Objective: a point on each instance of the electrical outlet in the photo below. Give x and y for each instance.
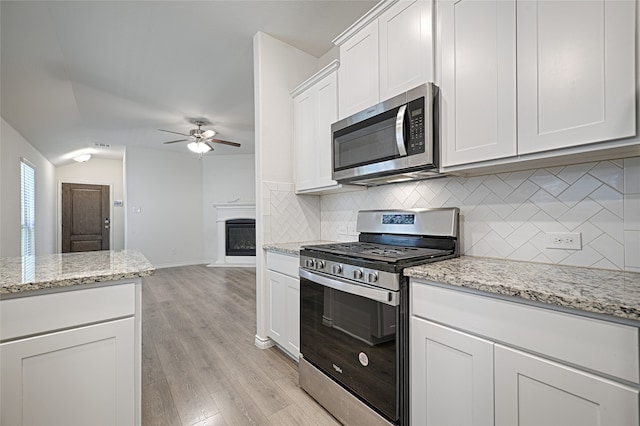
(563, 240)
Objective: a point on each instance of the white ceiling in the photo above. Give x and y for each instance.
(79, 73)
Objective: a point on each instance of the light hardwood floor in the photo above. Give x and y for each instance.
(199, 362)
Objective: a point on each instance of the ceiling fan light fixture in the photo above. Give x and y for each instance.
(82, 158)
(199, 147)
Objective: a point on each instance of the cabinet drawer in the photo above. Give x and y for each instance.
(601, 346)
(283, 263)
(38, 314)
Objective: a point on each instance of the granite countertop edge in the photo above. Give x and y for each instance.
(128, 264)
(592, 292)
(293, 247)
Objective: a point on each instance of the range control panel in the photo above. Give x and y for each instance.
(383, 279)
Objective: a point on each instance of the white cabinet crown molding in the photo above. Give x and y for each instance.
(366, 19)
(322, 73)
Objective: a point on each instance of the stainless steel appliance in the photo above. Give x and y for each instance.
(354, 311)
(394, 140)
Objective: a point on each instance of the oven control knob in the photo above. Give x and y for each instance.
(358, 274)
(337, 269)
(373, 277)
(309, 263)
(320, 264)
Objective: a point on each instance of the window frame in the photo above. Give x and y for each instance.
(27, 207)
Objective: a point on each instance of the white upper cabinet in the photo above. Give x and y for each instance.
(478, 80)
(315, 106)
(405, 47)
(358, 75)
(388, 51)
(576, 73)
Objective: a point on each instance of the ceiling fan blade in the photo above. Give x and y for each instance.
(179, 140)
(170, 131)
(207, 134)
(236, 144)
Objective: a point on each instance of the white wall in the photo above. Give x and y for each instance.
(225, 179)
(166, 187)
(278, 69)
(12, 148)
(97, 171)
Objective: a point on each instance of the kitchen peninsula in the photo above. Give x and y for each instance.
(70, 338)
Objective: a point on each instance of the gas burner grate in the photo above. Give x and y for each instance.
(380, 252)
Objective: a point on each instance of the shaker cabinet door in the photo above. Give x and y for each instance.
(534, 391)
(576, 73)
(284, 311)
(315, 109)
(305, 110)
(451, 376)
(276, 288)
(358, 73)
(406, 47)
(81, 376)
(478, 80)
(327, 114)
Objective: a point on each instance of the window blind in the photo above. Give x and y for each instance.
(27, 207)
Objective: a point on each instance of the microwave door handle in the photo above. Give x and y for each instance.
(402, 149)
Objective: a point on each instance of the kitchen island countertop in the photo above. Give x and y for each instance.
(20, 276)
(613, 293)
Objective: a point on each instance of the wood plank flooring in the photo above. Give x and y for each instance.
(199, 362)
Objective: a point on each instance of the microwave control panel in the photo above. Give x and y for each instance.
(416, 129)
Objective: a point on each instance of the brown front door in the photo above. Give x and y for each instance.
(85, 217)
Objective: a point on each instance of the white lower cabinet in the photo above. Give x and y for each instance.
(451, 376)
(535, 391)
(469, 364)
(82, 376)
(283, 292)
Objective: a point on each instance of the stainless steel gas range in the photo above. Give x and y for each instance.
(354, 312)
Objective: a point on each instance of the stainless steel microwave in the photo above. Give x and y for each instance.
(392, 141)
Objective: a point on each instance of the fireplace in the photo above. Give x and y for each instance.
(237, 213)
(240, 237)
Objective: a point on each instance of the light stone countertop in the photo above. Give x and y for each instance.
(292, 247)
(21, 275)
(614, 293)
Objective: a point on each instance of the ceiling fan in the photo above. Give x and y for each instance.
(200, 140)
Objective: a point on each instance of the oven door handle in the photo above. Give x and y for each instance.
(373, 293)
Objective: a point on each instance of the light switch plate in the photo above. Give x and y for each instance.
(563, 240)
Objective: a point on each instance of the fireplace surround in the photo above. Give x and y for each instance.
(231, 212)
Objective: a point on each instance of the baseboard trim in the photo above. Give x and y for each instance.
(263, 343)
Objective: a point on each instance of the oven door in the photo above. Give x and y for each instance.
(349, 332)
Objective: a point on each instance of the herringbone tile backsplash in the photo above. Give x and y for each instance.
(502, 215)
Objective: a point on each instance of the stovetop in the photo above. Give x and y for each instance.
(379, 252)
